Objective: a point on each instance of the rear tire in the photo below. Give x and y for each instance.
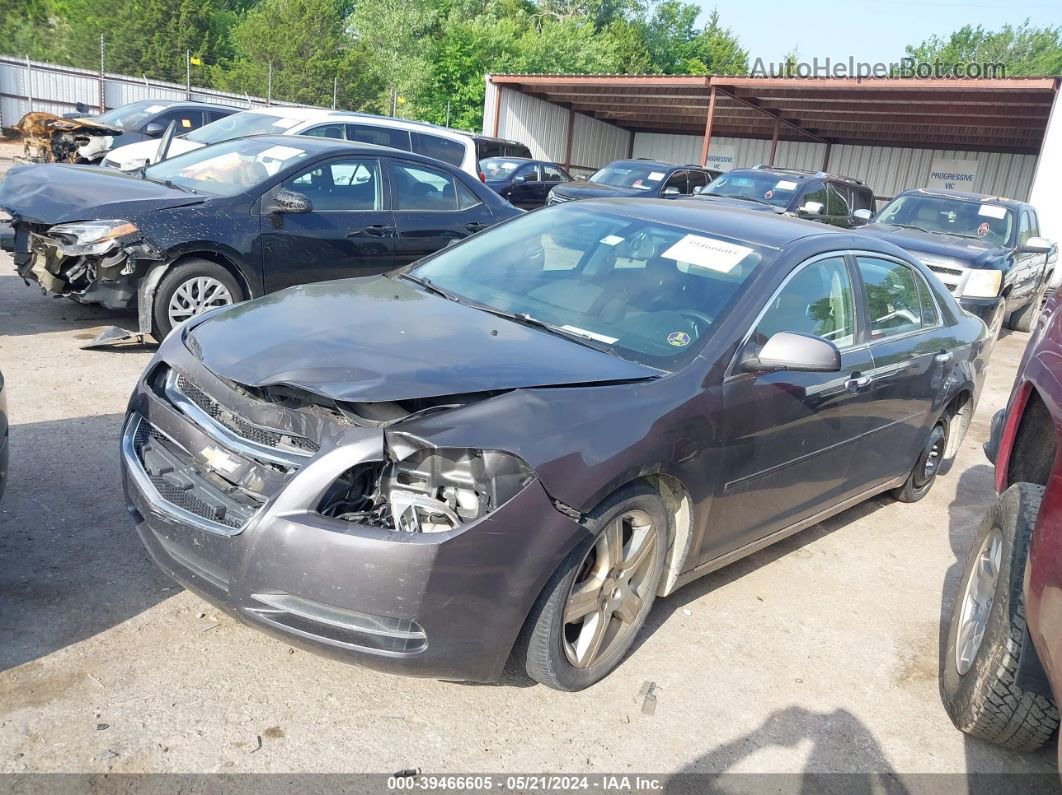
(189, 289)
(927, 467)
(559, 645)
(978, 678)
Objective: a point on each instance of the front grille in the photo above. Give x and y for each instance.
(555, 199)
(239, 426)
(950, 275)
(180, 482)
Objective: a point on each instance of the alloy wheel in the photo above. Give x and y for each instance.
(604, 605)
(977, 600)
(195, 296)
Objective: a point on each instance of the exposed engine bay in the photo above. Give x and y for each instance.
(92, 261)
(47, 138)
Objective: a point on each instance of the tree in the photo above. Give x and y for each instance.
(28, 27)
(307, 44)
(390, 32)
(715, 51)
(1023, 50)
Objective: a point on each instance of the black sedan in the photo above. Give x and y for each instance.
(235, 220)
(640, 177)
(516, 444)
(522, 181)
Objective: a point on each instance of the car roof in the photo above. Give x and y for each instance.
(965, 196)
(647, 161)
(801, 174)
(764, 229)
(314, 145)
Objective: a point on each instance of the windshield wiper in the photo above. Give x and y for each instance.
(912, 226)
(530, 320)
(166, 182)
(429, 286)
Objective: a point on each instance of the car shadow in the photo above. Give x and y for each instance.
(71, 565)
(844, 757)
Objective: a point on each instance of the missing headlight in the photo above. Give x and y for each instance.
(423, 489)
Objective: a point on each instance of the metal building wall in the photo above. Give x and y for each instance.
(543, 126)
(888, 170)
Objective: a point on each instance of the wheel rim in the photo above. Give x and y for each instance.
(977, 600)
(605, 604)
(195, 296)
(931, 458)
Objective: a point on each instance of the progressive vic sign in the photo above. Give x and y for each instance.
(953, 175)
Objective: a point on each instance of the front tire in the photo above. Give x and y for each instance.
(1025, 318)
(189, 289)
(594, 605)
(987, 631)
(927, 467)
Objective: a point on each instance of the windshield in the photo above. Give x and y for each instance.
(227, 168)
(128, 116)
(240, 125)
(499, 167)
(630, 175)
(761, 186)
(640, 290)
(991, 223)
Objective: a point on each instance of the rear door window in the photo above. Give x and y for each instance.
(381, 136)
(551, 173)
(444, 149)
(418, 187)
(325, 131)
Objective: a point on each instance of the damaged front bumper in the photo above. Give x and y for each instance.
(225, 492)
(107, 273)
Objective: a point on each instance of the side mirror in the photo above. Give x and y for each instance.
(862, 215)
(812, 208)
(289, 202)
(1038, 245)
(81, 107)
(155, 129)
(789, 350)
(671, 191)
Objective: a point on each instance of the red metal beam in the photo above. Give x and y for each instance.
(708, 127)
(773, 114)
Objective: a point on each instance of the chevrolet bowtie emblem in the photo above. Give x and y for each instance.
(219, 460)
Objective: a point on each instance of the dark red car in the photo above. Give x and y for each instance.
(1002, 674)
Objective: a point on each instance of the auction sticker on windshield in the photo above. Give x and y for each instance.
(992, 211)
(785, 184)
(707, 252)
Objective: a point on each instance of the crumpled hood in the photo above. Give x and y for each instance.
(584, 189)
(381, 338)
(937, 244)
(54, 194)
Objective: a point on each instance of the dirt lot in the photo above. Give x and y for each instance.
(819, 654)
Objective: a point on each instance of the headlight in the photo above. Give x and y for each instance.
(982, 283)
(551, 195)
(422, 489)
(5, 216)
(87, 232)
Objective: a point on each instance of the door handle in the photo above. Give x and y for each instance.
(376, 230)
(943, 357)
(857, 382)
(475, 226)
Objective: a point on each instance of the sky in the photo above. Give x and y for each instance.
(868, 31)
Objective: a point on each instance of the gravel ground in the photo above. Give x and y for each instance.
(819, 654)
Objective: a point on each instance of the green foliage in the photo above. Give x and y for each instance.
(1024, 50)
(426, 59)
(306, 43)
